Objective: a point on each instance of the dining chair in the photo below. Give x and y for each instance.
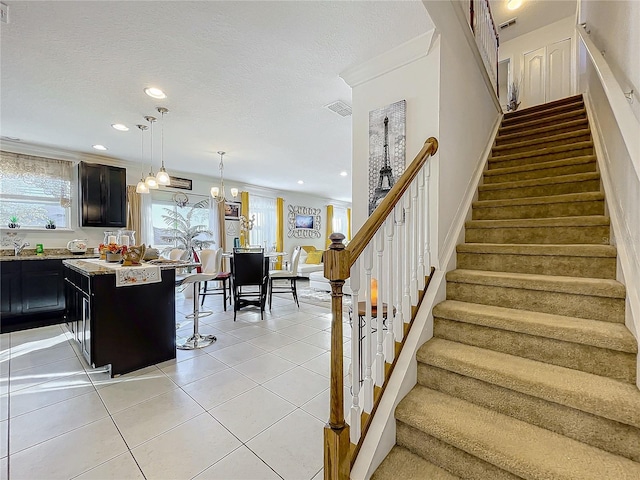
(250, 275)
(291, 275)
(176, 254)
(211, 261)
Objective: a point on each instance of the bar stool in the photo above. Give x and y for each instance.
(196, 340)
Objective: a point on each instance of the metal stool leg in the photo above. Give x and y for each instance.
(196, 340)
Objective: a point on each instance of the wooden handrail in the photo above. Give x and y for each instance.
(374, 222)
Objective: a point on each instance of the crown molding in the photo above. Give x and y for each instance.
(390, 60)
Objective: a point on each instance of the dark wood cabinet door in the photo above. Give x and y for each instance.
(103, 195)
(42, 286)
(115, 180)
(10, 297)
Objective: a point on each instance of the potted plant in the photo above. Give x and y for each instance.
(182, 234)
(13, 222)
(513, 95)
(51, 224)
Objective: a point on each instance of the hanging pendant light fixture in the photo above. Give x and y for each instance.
(142, 186)
(151, 181)
(218, 192)
(163, 177)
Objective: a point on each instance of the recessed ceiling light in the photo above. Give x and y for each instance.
(514, 4)
(300, 182)
(120, 126)
(343, 174)
(154, 92)
(99, 147)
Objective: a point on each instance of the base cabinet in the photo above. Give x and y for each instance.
(128, 327)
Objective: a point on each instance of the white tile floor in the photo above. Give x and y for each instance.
(251, 406)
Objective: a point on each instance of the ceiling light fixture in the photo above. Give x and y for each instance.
(300, 182)
(154, 92)
(514, 4)
(218, 193)
(162, 177)
(142, 187)
(343, 174)
(99, 147)
(120, 127)
(151, 181)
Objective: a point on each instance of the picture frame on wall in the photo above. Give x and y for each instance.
(232, 210)
(181, 183)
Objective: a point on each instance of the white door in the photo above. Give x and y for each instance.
(534, 79)
(559, 70)
(547, 74)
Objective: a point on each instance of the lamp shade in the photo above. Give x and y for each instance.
(142, 187)
(234, 192)
(163, 177)
(151, 182)
(215, 191)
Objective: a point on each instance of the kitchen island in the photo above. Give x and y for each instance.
(124, 327)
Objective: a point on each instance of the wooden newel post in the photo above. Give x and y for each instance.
(336, 431)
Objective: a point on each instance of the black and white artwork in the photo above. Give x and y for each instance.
(387, 142)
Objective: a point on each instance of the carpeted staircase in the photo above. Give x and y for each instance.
(531, 372)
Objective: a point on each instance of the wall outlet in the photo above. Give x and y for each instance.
(4, 13)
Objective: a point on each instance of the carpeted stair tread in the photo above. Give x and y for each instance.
(520, 448)
(527, 116)
(542, 132)
(543, 121)
(565, 198)
(595, 394)
(541, 152)
(402, 464)
(540, 142)
(579, 159)
(589, 220)
(598, 287)
(605, 251)
(545, 107)
(613, 336)
(544, 181)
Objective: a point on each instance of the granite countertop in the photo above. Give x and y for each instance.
(101, 268)
(7, 255)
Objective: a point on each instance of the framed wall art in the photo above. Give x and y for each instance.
(387, 144)
(304, 222)
(232, 210)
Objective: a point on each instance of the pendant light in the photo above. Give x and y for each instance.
(218, 192)
(151, 181)
(163, 177)
(142, 186)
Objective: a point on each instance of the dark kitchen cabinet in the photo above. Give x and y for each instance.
(32, 294)
(103, 195)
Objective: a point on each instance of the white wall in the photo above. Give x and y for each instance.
(201, 185)
(468, 113)
(413, 76)
(615, 28)
(516, 48)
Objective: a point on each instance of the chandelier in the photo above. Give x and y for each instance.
(218, 193)
(151, 181)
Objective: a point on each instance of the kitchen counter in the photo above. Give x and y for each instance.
(59, 254)
(103, 268)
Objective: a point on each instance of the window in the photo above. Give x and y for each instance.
(35, 190)
(192, 218)
(340, 221)
(264, 228)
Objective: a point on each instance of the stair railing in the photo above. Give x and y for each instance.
(393, 244)
(486, 35)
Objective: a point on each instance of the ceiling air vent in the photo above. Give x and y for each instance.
(340, 108)
(507, 24)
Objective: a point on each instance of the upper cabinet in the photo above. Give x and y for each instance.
(103, 195)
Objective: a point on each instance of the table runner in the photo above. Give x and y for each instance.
(134, 275)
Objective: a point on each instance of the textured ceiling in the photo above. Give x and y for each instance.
(532, 15)
(250, 78)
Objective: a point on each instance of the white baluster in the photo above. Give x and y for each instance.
(421, 227)
(390, 342)
(399, 221)
(356, 356)
(367, 385)
(413, 244)
(379, 239)
(427, 217)
(406, 282)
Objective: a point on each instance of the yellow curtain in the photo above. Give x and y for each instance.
(134, 211)
(329, 224)
(279, 230)
(222, 240)
(244, 198)
(349, 224)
